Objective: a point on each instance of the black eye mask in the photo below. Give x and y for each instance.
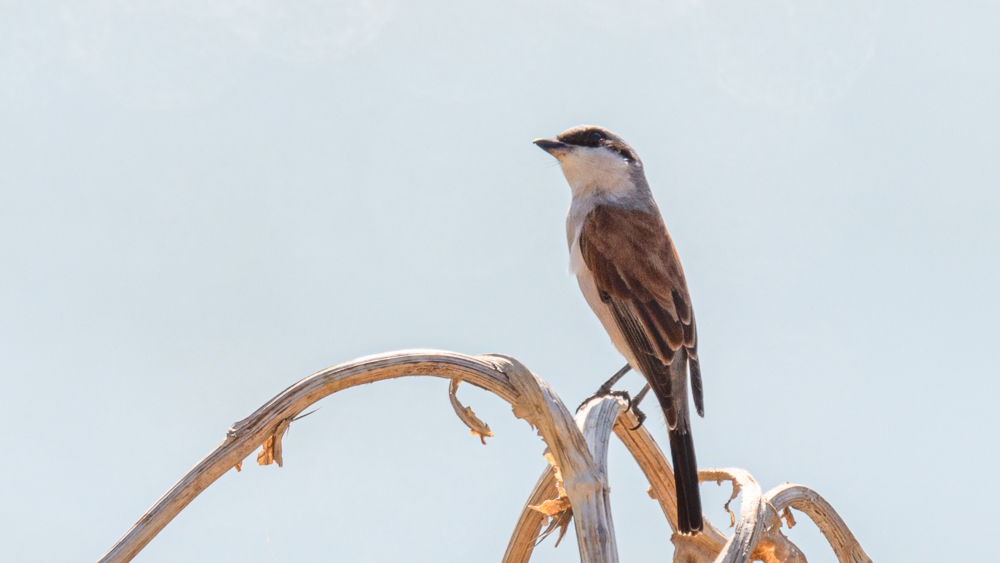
(593, 138)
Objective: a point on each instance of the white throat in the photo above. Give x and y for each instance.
(590, 170)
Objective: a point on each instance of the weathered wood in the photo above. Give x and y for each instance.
(575, 484)
(595, 420)
(757, 534)
(581, 476)
(751, 522)
(804, 499)
(711, 545)
(531, 398)
(654, 465)
(522, 541)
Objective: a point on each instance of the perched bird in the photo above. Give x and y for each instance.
(630, 274)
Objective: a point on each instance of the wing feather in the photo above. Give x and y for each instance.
(639, 275)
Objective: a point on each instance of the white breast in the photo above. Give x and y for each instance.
(576, 264)
(586, 280)
(577, 216)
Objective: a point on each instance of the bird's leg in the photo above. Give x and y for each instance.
(634, 406)
(605, 389)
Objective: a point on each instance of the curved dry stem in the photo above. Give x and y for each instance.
(757, 534)
(522, 541)
(595, 420)
(802, 498)
(753, 510)
(531, 397)
(654, 466)
(582, 479)
(577, 451)
(702, 548)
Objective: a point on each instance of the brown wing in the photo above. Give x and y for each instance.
(639, 275)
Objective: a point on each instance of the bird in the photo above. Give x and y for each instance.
(631, 276)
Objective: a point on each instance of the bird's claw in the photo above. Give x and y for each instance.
(632, 405)
(639, 415)
(603, 391)
(623, 395)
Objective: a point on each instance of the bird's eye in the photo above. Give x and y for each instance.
(596, 136)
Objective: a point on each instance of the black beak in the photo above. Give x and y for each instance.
(553, 147)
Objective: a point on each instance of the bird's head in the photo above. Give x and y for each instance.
(594, 159)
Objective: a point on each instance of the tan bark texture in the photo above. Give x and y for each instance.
(572, 489)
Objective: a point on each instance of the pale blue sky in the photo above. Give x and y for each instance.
(203, 202)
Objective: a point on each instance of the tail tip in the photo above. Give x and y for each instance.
(689, 524)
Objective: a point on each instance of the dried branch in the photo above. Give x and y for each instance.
(532, 399)
(574, 486)
(757, 534)
(752, 520)
(654, 465)
(522, 541)
(595, 420)
(802, 498)
(582, 478)
(599, 416)
(711, 545)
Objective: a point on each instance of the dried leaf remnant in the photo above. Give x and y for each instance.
(270, 450)
(476, 427)
(558, 509)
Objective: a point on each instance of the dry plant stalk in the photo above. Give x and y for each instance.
(574, 487)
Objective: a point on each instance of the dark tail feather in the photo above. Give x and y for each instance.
(686, 480)
(699, 402)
